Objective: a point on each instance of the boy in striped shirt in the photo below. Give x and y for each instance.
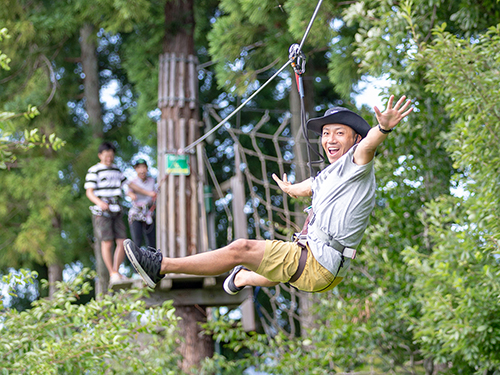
(103, 184)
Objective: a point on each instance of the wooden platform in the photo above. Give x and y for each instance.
(191, 290)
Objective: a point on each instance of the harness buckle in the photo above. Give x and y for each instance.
(349, 253)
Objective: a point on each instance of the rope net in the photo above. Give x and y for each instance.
(258, 150)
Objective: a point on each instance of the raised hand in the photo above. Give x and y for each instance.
(392, 116)
(284, 184)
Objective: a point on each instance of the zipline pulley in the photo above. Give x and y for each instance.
(298, 62)
(298, 59)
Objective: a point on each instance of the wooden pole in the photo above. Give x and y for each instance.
(178, 93)
(241, 231)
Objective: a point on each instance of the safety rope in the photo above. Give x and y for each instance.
(299, 66)
(290, 61)
(206, 135)
(219, 192)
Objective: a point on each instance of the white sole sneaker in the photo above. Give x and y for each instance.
(130, 254)
(228, 285)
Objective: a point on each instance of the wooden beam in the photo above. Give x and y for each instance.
(212, 297)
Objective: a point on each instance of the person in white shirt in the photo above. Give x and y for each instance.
(140, 216)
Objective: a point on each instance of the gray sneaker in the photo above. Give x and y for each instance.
(229, 286)
(147, 262)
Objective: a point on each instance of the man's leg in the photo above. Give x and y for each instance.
(136, 232)
(119, 255)
(120, 234)
(248, 253)
(250, 278)
(152, 266)
(107, 257)
(104, 232)
(150, 234)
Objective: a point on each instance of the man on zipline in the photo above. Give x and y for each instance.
(343, 196)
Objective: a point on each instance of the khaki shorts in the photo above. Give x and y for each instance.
(109, 228)
(280, 263)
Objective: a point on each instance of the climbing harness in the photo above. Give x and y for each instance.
(301, 240)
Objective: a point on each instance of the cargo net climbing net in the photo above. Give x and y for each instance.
(250, 204)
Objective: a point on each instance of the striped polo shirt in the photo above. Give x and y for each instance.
(106, 181)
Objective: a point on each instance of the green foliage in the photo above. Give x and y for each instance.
(33, 231)
(327, 349)
(457, 285)
(30, 138)
(118, 333)
(263, 41)
(10, 139)
(4, 59)
(389, 32)
(23, 278)
(276, 355)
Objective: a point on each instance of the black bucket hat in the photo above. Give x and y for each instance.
(340, 115)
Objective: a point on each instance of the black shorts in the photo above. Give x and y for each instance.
(109, 228)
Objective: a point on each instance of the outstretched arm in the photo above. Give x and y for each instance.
(301, 189)
(137, 189)
(387, 120)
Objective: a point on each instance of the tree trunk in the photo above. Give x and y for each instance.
(91, 80)
(429, 366)
(102, 282)
(54, 270)
(196, 346)
(55, 274)
(178, 207)
(94, 111)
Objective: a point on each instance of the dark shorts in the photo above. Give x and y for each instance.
(109, 228)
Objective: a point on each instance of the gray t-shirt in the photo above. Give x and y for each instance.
(343, 198)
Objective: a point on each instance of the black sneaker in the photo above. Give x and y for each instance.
(147, 262)
(229, 286)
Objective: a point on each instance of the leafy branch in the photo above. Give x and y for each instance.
(10, 140)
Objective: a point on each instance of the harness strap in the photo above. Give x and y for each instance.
(301, 238)
(302, 264)
(347, 252)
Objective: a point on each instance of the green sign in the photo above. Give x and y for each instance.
(177, 164)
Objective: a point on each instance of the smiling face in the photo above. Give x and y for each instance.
(337, 139)
(106, 157)
(142, 171)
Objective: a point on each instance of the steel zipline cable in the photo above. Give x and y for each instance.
(310, 24)
(290, 60)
